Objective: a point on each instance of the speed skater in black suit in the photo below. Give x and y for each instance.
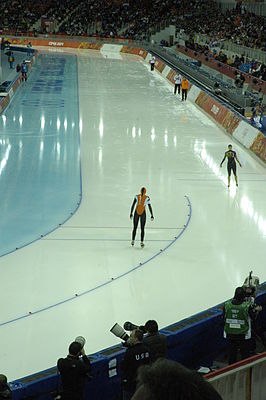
(231, 163)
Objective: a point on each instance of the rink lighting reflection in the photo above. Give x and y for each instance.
(247, 207)
(139, 132)
(101, 128)
(5, 159)
(20, 120)
(152, 134)
(80, 125)
(4, 119)
(100, 157)
(58, 123)
(58, 147)
(42, 122)
(65, 124)
(134, 132)
(166, 140)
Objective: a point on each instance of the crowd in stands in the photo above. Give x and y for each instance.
(244, 64)
(22, 14)
(136, 18)
(105, 17)
(237, 25)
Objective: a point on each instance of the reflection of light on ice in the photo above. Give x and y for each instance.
(101, 128)
(100, 156)
(42, 122)
(214, 167)
(152, 134)
(4, 159)
(166, 140)
(247, 207)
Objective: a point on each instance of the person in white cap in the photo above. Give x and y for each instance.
(178, 81)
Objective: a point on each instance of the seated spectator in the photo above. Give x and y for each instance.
(5, 392)
(217, 89)
(155, 341)
(168, 380)
(238, 82)
(74, 372)
(256, 120)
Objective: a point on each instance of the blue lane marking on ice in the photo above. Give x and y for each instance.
(140, 265)
(40, 131)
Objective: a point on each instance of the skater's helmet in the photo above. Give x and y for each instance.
(143, 191)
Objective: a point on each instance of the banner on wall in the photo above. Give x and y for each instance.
(218, 112)
(134, 50)
(259, 147)
(159, 65)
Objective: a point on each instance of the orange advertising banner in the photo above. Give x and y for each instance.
(134, 50)
(218, 112)
(159, 65)
(170, 76)
(259, 147)
(57, 43)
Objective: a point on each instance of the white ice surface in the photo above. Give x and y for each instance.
(134, 132)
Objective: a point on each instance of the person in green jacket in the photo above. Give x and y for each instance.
(238, 314)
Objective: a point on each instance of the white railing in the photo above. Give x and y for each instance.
(244, 380)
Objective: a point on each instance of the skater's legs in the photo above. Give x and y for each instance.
(234, 172)
(229, 169)
(142, 225)
(135, 225)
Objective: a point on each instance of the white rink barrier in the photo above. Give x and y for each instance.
(244, 380)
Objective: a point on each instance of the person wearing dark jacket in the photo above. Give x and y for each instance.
(137, 354)
(74, 372)
(156, 342)
(5, 392)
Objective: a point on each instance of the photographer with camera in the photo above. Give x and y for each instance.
(156, 342)
(74, 371)
(136, 355)
(251, 286)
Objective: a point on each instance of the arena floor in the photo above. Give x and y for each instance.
(78, 141)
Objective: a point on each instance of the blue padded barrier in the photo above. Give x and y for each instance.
(193, 342)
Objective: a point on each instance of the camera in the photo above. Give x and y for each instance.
(120, 332)
(251, 285)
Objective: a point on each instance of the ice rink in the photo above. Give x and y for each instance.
(78, 142)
